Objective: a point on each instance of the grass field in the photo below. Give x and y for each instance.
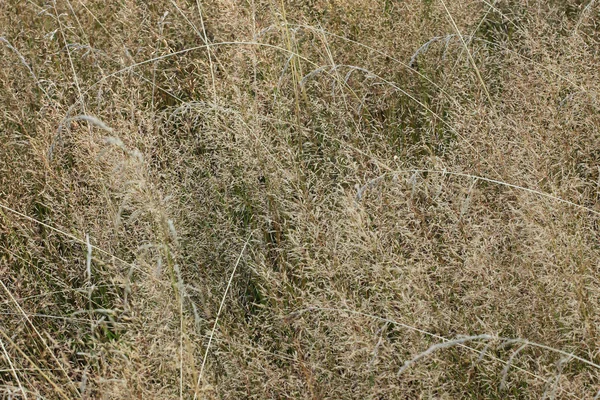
(304, 199)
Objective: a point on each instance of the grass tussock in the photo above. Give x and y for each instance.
(327, 199)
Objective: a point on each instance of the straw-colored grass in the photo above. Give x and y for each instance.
(293, 199)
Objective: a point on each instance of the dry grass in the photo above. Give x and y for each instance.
(288, 199)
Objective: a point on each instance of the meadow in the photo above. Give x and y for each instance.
(303, 199)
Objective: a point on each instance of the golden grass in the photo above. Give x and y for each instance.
(284, 199)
